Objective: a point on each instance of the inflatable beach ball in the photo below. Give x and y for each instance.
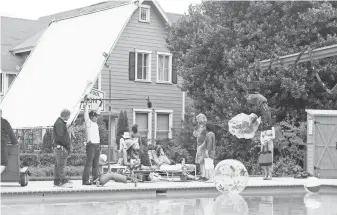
(312, 185)
(230, 176)
(230, 204)
(312, 200)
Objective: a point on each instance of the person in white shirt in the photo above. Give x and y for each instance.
(93, 148)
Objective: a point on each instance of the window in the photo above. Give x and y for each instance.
(144, 13)
(164, 67)
(143, 118)
(7, 79)
(163, 124)
(143, 65)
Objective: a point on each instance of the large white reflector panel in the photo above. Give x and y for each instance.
(66, 58)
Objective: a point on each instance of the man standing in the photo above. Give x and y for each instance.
(62, 147)
(93, 149)
(7, 136)
(268, 132)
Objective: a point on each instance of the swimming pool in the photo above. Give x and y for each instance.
(297, 203)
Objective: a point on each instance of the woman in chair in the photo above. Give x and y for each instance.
(162, 158)
(131, 156)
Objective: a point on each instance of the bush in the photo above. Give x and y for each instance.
(47, 142)
(122, 126)
(175, 151)
(77, 141)
(144, 158)
(48, 159)
(29, 159)
(48, 171)
(76, 160)
(286, 167)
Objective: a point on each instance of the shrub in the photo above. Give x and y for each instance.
(286, 167)
(29, 159)
(77, 141)
(175, 151)
(76, 159)
(122, 126)
(47, 142)
(48, 159)
(48, 171)
(144, 158)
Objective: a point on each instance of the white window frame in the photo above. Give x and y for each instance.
(148, 75)
(170, 113)
(148, 13)
(149, 120)
(4, 86)
(170, 67)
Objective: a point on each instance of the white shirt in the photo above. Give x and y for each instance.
(91, 128)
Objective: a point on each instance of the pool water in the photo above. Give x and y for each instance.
(218, 204)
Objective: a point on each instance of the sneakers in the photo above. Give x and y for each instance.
(65, 183)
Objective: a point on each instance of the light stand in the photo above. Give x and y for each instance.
(109, 135)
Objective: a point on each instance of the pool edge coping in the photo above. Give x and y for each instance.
(139, 189)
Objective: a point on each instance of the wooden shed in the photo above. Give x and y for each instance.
(321, 155)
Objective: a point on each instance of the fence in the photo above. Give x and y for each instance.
(33, 140)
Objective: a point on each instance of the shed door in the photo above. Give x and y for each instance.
(325, 149)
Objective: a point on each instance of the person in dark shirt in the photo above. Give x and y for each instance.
(262, 109)
(62, 147)
(7, 136)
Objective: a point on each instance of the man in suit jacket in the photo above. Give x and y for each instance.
(62, 147)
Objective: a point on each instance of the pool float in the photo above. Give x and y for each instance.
(105, 178)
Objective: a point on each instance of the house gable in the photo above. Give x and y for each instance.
(148, 37)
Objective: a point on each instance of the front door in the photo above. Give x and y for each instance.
(325, 148)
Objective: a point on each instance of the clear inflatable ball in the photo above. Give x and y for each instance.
(230, 204)
(312, 185)
(230, 176)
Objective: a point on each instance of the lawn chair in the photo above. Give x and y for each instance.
(115, 167)
(182, 170)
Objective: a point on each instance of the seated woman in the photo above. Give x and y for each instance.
(162, 158)
(164, 163)
(131, 156)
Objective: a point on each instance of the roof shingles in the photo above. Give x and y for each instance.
(20, 34)
(13, 32)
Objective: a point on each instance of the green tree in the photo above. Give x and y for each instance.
(126, 122)
(120, 126)
(217, 44)
(47, 142)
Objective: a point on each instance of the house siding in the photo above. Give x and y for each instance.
(143, 36)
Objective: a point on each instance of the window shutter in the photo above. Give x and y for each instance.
(132, 59)
(174, 72)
